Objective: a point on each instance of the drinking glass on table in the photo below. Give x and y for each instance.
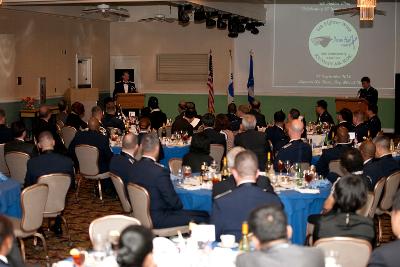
(288, 165)
(78, 256)
(100, 247)
(113, 238)
(187, 171)
(281, 166)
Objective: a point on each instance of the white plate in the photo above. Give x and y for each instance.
(235, 245)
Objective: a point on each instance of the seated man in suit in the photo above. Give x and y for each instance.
(5, 132)
(122, 164)
(342, 143)
(94, 138)
(388, 255)
(255, 110)
(229, 184)
(157, 117)
(360, 126)
(97, 112)
(6, 240)
(323, 114)
(166, 208)
(233, 118)
(374, 123)
(230, 210)
(253, 140)
(213, 136)
(181, 109)
(296, 151)
(184, 123)
(345, 119)
(384, 164)
(110, 118)
(294, 114)
(276, 134)
(367, 150)
(271, 234)
(63, 111)
(19, 144)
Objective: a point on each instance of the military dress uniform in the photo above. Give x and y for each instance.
(325, 117)
(370, 94)
(122, 87)
(296, 151)
(374, 126)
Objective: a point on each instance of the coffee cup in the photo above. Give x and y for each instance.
(227, 241)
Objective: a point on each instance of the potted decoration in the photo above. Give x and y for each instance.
(29, 102)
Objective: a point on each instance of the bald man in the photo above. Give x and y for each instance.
(296, 151)
(93, 137)
(342, 143)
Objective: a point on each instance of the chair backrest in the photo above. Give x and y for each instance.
(351, 252)
(120, 188)
(378, 190)
(140, 202)
(17, 164)
(175, 164)
(33, 203)
(365, 210)
(102, 226)
(217, 152)
(88, 159)
(167, 130)
(3, 165)
(58, 184)
(334, 166)
(68, 134)
(390, 189)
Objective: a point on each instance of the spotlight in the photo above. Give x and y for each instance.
(199, 15)
(221, 24)
(183, 17)
(233, 27)
(210, 23)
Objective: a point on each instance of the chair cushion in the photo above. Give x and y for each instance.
(172, 231)
(18, 232)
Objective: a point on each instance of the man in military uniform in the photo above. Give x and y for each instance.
(124, 86)
(374, 123)
(368, 92)
(323, 114)
(360, 126)
(296, 151)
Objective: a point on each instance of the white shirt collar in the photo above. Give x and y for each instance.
(4, 259)
(20, 139)
(149, 157)
(247, 181)
(154, 110)
(130, 154)
(368, 160)
(357, 173)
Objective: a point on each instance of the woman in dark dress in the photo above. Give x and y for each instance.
(74, 119)
(199, 152)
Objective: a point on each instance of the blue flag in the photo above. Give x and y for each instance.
(231, 90)
(250, 82)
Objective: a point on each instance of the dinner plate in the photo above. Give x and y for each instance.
(235, 245)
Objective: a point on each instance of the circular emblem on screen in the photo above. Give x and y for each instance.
(333, 43)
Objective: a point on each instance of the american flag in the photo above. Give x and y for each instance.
(210, 84)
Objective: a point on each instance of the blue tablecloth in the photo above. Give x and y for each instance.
(10, 198)
(116, 150)
(297, 206)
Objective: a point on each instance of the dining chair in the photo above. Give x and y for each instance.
(33, 203)
(3, 165)
(89, 167)
(378, 190)
(121, 191)
(351, 252)
(365, 210)
(102, 226)
(217, 152)
(58, 184)
(140, 202)
(17, 164)
(175, 164)
(335, 167)
(68, 134)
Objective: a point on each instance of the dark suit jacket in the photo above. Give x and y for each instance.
(296, 151)
(370, 94)
(215, 137)
(277, 137)
(232, 209)
(361, 131)
(5, 134)
(47, 163)
(326, 117)
(378, 168)
(374, 126)
(181, 124)
(283, 256)
(328, 155)
(75, 121)
(259, 117)
(256, 142)
(95, 139)
(386, 256)
(114, 122)
(119, 88)
(157, 118)
(122, 165)
(230, 184)
(235, 121)
(50, 126)
(21, 146)
(194, 160)
(334, 224)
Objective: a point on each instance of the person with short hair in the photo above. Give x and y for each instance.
(63, 111)
(184, 123)
(294, 114)
(387, 255)
(136, 247)
(6, 241)
(345, 119)
(322, 112)
(199, 152)
(18, 144)
(233, 118)
(74, 118)
(360, 126)
(215, 137)
(231, 209)
(253, 140)
(276, 134)
(271, 235)
(255, 110)
(5, 132)
(374, 123)
(166, 209)
(223, 126)
(111, 120)
(367, 150)
(368, 92)
(157, 117)
(181, 109)
(125, 85)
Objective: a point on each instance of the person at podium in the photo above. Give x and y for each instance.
(124, 86)
(368, 92)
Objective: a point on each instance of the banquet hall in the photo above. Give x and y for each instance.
(199, 133)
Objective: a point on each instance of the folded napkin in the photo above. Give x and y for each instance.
(192, 187)
(307, 190)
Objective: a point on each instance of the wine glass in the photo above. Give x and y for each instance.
(288, 165)
(187, 171)
(280, 167)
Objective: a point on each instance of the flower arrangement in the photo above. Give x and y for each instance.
(29, 102)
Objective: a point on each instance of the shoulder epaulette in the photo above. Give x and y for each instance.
(159, 165)
(223, 194)
(118, 82)
(287, 145)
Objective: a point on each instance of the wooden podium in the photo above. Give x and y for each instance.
(353, 104)
(131, 101)
(87, 96)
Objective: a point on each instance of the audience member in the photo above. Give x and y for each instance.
(253, 140)
(136, 247)
(233, 118)
(229, 184)
(6, 241)
(223, 126)
(255, 110)
(63, 111)
(388, 255)
(122, 164)
(360, 126)
(184, 123)
(97, 112)
(232, 209)
(166, 208)
(342, 143)
(199, 152)
(296, 151)
(196, 120)
(74, 118)
(368, 92)
(350, 195)
(111, 120)
(294, 114)
(322, 112)
(157, 117)
(181, 109)
(145, 128)
(367, 150)
(271, 235)
(276, 134)
(374, 123)
(345, 119)
(5, 132)
(19, 144)
(215, 137)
